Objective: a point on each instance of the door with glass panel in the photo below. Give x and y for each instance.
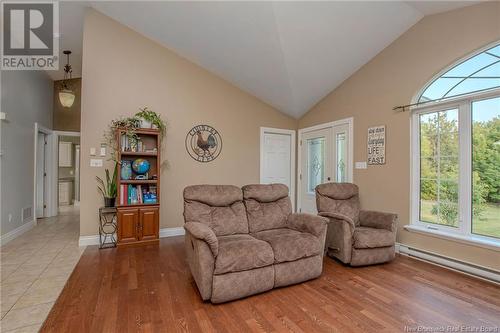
(341, 159)
(317, 165)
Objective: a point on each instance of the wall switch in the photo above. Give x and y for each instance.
(103, 150)
(3, 116)
(360, 165)
(96, 162)
(92, 151)
(10, 218)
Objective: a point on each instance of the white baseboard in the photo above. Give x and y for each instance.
(164, 232)
(4, 239)
(450, 263)
(171, 232)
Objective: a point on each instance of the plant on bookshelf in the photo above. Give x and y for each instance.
(128, 126)
(108, 189)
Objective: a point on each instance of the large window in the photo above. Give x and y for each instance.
(456, 152)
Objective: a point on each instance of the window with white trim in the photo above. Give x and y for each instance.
(456, 151)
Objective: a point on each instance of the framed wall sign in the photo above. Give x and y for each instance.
(203, 143)
(376, 145)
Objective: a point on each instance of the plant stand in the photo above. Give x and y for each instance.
(107, 227)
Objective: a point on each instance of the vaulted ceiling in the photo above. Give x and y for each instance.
(288, 54)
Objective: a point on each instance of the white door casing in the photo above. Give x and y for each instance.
(336, 165)
(277, 158)
(41, 174)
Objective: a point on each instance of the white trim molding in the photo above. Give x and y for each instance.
(4, 239)
(464, 267)
(293, 147)
(470, 240)
(164, 232)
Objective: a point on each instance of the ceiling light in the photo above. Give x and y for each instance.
(66, 94)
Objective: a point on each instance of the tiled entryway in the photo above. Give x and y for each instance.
(34, 269)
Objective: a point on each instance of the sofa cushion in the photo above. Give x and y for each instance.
(214, 195)
(218, 206)
(268, 206)
(289, 245)
(265, 192)
(368, 238)
(242, 252)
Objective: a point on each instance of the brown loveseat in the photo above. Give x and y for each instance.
(241, 242)
(355, 236)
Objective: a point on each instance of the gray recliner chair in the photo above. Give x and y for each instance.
(356, 237)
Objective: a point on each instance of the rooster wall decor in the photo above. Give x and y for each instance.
(203, 143)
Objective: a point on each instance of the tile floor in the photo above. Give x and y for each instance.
(34, 268)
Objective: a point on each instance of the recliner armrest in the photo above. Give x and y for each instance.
(203, 232)
(338, 216)
(378, 220)
(313, 224)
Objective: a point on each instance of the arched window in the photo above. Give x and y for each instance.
(478, 73)
(456, 152)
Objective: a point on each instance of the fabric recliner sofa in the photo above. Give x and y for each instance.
(241, 242)
(356, 237)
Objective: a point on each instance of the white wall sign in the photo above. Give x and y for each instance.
(376, 145)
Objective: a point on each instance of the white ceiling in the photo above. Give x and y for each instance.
(288, 54)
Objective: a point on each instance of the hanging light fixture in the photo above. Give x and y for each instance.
(66, 95)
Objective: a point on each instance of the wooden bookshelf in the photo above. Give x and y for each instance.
(138, 222)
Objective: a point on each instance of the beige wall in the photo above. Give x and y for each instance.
(123, 71)
(392, 78)
(67, 119)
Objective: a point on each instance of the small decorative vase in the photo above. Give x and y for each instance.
(126, 170)
(145, 123)
(109, 202)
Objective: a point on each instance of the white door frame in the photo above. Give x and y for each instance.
(49, 191)
(293, 147)
(350, 151)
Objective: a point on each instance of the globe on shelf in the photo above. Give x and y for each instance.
(140, 166)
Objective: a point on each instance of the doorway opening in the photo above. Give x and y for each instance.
(68, 172)
(325, 154)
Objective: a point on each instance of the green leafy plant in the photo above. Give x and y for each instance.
(128, 125)
(108, 189)
(153, 117)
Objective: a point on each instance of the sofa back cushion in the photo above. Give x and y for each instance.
(342, 198)
(268, 206)
(218, 206)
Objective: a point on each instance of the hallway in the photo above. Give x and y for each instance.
(35, 268)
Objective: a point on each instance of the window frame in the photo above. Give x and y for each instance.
(463, 233)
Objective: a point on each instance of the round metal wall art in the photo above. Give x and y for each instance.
(203, 143)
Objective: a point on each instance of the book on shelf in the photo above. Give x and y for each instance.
(137, 194)
(133, 145)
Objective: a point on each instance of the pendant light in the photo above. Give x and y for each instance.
(66, 95)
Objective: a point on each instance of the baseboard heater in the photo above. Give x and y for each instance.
(451, 263)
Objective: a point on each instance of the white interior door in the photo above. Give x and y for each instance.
(40, 175)
(316, 164)
(278, 158)
(77, 174)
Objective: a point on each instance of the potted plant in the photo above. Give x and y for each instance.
(151, 119)
(108, 189)
(128, 124)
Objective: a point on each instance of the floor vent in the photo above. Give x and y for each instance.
(27, 214)
(457, 265)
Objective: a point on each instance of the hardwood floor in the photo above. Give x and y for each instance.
(150, 289)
